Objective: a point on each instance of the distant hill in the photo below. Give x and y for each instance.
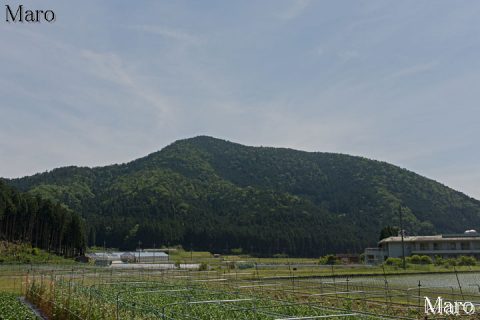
(216, 195)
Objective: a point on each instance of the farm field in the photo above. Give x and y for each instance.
(83, 292)
(12, 309)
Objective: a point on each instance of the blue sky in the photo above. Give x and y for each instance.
(111, 81)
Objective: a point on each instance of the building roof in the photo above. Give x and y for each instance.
(144, 254)
(117, 255)
(104, 255)
(440, 237)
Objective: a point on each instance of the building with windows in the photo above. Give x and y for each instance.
(445, 246)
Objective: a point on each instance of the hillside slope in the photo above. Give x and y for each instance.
(213, 194)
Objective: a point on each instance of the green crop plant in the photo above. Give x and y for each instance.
(12, 309)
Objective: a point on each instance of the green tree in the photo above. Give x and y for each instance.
(389, 231)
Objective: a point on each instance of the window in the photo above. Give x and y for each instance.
(436, 246)
(453, 246)
(423, 246)
(465, 245)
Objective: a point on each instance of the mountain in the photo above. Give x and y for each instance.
(207, 193)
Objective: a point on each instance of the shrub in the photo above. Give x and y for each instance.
(450, 262)
(397, 262)
(466, 261)
(203, 267)
(425, 260)
(415, 259)
(329, 259)
(439, 261)
(237, 251)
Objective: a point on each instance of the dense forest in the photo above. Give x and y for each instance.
(207, 193)
(43, 223)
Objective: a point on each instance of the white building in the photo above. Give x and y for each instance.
(445, 246)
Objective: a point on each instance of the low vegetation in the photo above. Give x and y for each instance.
(437, 261)
(12, 309)
(24, 253)
(329, 259)
(166, 300)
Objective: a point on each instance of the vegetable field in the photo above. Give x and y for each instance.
(139, 300)
(12, 309)
(87, 293)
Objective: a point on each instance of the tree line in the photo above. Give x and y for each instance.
(42, 223)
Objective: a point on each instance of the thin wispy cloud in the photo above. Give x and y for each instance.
(108, 66)
(293, 9)
(169, 33)
(111, 67)
(413, 70)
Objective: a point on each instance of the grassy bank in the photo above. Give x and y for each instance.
(21, 253)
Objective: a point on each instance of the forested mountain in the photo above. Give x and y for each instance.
(208, 193)
(42, 223)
